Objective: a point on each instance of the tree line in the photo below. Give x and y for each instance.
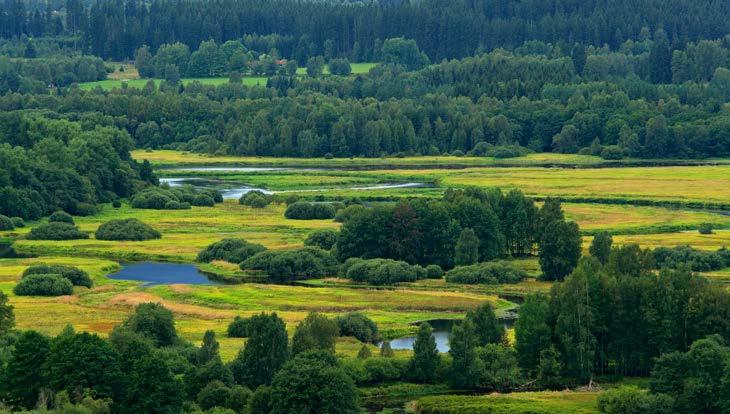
(114, 30)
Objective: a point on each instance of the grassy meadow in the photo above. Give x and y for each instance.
(396, 309)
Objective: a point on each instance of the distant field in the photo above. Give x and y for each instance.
(559, 402)
(140, 83)
(721, 238)
(357, 68)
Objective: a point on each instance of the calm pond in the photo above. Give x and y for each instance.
(441, 332)
(153, 273)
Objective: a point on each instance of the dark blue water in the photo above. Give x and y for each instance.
(153, 273)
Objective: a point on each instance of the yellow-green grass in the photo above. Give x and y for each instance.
(184, 232)
(717, 240)
(547, 402)
(171, 158)
(109, 84)
(721, 276)
(199, 308)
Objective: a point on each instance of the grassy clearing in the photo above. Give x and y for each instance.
(721, 238)
(561, 402)
(357, 68)
(109, 84)
(185, 232)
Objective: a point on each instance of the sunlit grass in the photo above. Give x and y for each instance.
(558, 402)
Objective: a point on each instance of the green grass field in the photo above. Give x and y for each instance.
(560, 402)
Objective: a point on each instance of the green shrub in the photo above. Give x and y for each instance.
(56, 231)
(230, 250)
(117, 204)
(126, 229)
(76, 276)
(346, 213)
(161, 198)
(383, 271)
(255, 199)
(698, 260)
(239, 327)
(61, 217)
(358, 325)
(507, 151)
(18, 221)
(324, 239)
(203, 200)
(288, 265)
(490, 273)
(612, 152)
(705, 228)
(302, 210)
(434, 272)
(6, 223)
(43, 285)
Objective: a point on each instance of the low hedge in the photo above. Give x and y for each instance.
(255, 199)
(56, 231)
(61, 217)
(488, 273)
(289, 265)
(76, 276)
(43, 285)
(324, 239)
(6, 223)
(303, 210)
(126, 229)
(230, 250)
(382, 271)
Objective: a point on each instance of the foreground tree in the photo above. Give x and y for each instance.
(559, 249)
(488, 328)
(313, 383)
(466, 367)
(21, 381)
(601, 246)
(425, 361)
(316, 331)
(155, 322)
(266, 350)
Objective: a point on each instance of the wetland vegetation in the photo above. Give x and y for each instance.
(336, 207)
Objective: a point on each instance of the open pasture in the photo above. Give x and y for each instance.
(546, 402)
(109, 84)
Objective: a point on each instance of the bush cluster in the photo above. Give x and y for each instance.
(288, 265)
(489, 273)
(698, 260)
(255, 199)
(162, 198)
(324, 239)
(239, 327)
(303, 210)
(347, 212)
(6, 223)
(61, 217)
(43, 285)
(375, 370)
(76, 276)
(230, 250)
(56, 231)
(126, 229)
(359, 326)
(18, 221)
(382, 271)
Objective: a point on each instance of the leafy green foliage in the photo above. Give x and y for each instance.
(491, 273)
(426, 359)
(43, 285)
(303, 210)
(313, 382)
(697, 260)
(75, 275)
(60, 217)
(601, 246)
(230, 250)
(126, 229)
(6, 223)
(359, 326)
(383, 271)
(255, 199)
(22, 378)
(153, 321)
(265, 352)
(56, 231)
(324, 239)
(287, 265)
(315, 332)
(560, 249)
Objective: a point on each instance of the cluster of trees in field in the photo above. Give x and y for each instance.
(34, 76)
(114, 30)
(466, 227)
(49, 164)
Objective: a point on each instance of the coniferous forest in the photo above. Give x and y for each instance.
(382, 206)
